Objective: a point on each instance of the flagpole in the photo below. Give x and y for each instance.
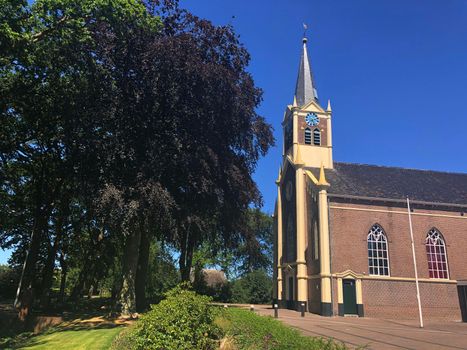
(415, 265)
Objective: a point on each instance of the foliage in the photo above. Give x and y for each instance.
(56, 93)
(162, 273)
(8, 282)
(253, 288)
(251, 331)
(255, 249)
(183, 321)
(123, 122)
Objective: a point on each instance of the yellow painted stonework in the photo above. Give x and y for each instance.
(299, 157)
(324, 249)
(302, 290)
(279, 243)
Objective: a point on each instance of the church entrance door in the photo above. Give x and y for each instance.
(350, 297)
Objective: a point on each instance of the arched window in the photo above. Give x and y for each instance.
(378, 258)
(436, 254)
(317, 137)
(307, 136)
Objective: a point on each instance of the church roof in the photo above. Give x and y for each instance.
(362, 180)
(305, 89)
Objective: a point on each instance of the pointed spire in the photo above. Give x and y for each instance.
(298, 157)
(305, 89)
(322, 177)
(329, 106)
(294, 101)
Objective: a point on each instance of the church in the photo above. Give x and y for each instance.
(342, 230)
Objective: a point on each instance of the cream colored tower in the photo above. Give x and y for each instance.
(306, 123)
(307, 144)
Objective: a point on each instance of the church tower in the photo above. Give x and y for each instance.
(301, 224)
(306, 125)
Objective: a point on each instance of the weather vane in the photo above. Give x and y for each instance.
(305, 27)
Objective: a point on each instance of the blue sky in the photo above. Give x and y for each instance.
(395, 71)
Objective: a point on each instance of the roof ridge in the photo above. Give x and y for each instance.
(402, 168)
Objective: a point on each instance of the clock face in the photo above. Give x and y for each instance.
(312, 119)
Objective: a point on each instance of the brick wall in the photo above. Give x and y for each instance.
(398, 300)
(349, 229)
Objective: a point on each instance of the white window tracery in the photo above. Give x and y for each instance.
(378, 257)
(436, 254)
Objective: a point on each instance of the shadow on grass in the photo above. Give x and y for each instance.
(29, 339)
(83, 315)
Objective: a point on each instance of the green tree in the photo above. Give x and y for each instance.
(162, 275)
(54, 90)
(253, 288)
(255, 249)
(8, 282)
(210, 103)
(123, 122)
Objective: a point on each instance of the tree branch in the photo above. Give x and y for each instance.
(38, 36)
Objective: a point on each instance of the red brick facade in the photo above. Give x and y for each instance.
(398, 300)
(396, 297)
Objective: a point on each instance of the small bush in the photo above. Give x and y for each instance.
(251, 331)
(183, 321)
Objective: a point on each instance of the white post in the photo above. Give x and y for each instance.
(415, 265)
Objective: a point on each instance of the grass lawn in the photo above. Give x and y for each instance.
(242, 329)
(248, 331)
(70, 339)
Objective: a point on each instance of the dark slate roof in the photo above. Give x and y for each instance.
(305, 89)
(348, 179)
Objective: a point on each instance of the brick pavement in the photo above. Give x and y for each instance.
(376, 334)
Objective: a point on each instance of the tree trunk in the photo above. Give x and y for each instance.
(142, 272)
(64, 268)
(184, 274)
(47, 277)
(130, 265)
(77, 291)
(186, 256)
(25, 293)
(116, 288)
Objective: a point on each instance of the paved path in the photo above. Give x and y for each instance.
(376, 333)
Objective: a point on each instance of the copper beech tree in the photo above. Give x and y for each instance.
(122, 122)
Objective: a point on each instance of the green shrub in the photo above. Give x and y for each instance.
(183, 321)
(252, 332)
